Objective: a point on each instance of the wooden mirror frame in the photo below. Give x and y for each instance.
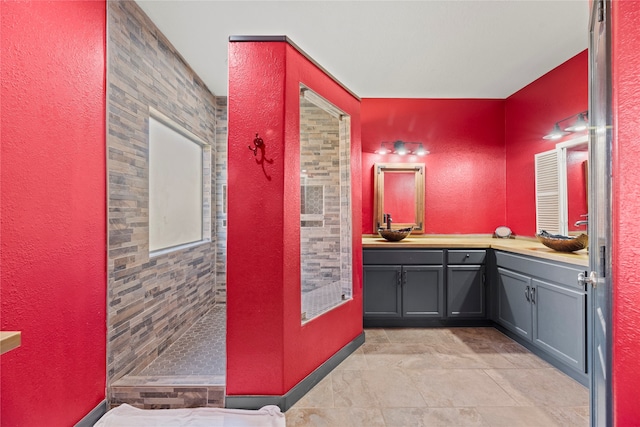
(379, 170)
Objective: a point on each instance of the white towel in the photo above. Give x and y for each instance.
(128, 416)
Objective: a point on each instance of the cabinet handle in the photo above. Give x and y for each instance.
(533, 295)
(398, 278)
(526, 293)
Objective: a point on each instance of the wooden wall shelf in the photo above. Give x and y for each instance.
(9, 340)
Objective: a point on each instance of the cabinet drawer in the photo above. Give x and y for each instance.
(467, 257)
(402, 257)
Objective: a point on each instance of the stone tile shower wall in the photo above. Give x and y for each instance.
(346, 234)
(322, 235)
(151, 301)
(221, 199)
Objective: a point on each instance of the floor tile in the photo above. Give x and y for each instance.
(201, 350)
(518, 355)
(428, 417)
(321, 395)
(334, 417)
(540, 387)
(376, 335)
(520, 416)
(392, 388)
(351, 389)
(355, 361)
(569, 416)
(461, 388)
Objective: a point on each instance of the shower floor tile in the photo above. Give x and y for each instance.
(201, 351)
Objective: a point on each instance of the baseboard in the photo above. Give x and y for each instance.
(390, 322)
(92, 417)
(292, 396)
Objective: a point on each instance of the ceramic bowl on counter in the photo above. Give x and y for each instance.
(563, 243)
(394, 235)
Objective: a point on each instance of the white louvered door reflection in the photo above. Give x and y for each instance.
(547, 192)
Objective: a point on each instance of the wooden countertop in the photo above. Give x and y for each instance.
(523, 245)
(9, 340)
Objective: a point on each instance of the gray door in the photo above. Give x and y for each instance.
(465, 291)
(599, 281)
(559, 322)
(382, 290)
(514, 302)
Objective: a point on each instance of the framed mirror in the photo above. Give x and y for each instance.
(399, 192)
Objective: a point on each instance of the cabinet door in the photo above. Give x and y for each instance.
(514, 308)
(422, 291)
(559, 322)
(465, 291)
(381, 290)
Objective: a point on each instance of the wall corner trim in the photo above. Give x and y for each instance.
(286, 39)
(292, 396)
(92, 417)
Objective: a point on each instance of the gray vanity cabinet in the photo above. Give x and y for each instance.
(559, 322)
(382, 294)
(466, 284)
(422, 291)
(542, 302)
(402, 284)
(514, 305)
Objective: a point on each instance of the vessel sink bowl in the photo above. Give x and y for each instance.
(394, 235)
(565, 244)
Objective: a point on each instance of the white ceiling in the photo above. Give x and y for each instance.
(393, 48)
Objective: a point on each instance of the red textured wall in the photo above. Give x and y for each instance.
(530, 114)
(268, 350)
(53, 210)
(626, 210)
(465, 170)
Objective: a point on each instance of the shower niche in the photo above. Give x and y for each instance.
(325, 205)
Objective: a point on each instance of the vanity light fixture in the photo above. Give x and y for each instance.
(402, 148)
(556, 133)
(383, 149)
(579, 125)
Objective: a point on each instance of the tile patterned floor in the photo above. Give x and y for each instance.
(199, 351)
(399, 377)
(190, 373)
(319, 300)
(442, 377)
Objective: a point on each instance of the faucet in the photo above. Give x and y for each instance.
(582, 221)
(387, 218)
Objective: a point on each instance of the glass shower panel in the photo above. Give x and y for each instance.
(325, 205)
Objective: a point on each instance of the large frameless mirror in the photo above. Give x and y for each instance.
(325, 205)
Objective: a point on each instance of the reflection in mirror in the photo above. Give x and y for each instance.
(325, 205)
(399, 191)
(573, 158)
(399, 197)
(561, 188)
